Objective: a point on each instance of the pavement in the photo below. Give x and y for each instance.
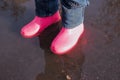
(95, 57)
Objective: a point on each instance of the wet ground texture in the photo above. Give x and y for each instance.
(95, 57)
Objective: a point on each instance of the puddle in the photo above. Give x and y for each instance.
(95, 57)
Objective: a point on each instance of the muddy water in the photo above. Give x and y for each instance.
(95, 57)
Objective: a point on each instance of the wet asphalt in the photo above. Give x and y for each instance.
(95, 57)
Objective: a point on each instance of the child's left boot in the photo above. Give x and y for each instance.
(38, 24)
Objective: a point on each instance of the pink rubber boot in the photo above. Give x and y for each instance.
(38, 24)
(66, 39)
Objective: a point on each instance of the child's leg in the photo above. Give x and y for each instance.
(46, 8)
(46, 14)
(73, 12)
(72, 20)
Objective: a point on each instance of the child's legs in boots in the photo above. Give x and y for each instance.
(72, 21)
(46, 14)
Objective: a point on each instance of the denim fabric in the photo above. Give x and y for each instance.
(46, 8)
(72, 10)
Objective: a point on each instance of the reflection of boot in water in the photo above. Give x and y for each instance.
(72, 65)
(66, 67)
(53, 70)
(38, 24)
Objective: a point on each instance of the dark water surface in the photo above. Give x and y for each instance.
(95, 57)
